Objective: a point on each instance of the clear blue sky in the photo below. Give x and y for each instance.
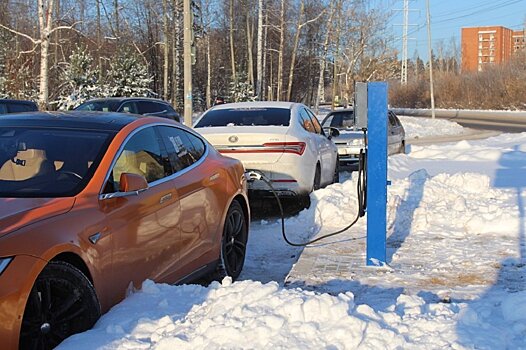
(448, 17)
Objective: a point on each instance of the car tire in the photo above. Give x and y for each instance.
(316, 184)
(233, 243)
(336, 178)
(61, 303)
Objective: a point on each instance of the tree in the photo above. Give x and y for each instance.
(127, 76)
(81, 81)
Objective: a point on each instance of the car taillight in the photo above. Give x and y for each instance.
(285, 147)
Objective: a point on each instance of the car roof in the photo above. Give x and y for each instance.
(110, 121)
(122, 99)
(6, 100)
(256, 104)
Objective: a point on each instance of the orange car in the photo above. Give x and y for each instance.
(92, 204)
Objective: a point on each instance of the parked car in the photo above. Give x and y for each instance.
(350, 140)
(136, 105)
(284, 140)
(93, 204)
(17, 106)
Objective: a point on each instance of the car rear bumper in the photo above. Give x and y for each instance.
(15, 284)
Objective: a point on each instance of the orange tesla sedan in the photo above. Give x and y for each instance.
(92, 204)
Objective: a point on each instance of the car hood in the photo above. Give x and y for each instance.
(348, 135)
(16, 213)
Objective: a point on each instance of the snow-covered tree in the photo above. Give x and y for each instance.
(80, 79)
(128, 76)
(3, 71)
(241, 90)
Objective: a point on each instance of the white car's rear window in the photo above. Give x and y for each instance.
(245, 117)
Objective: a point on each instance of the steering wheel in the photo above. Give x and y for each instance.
(71, 173)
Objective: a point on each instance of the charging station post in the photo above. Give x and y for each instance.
(372, 97)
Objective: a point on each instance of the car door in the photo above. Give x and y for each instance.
(328, 150)
(200, 190)
(144, 228)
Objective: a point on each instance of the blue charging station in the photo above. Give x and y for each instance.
(371, 112)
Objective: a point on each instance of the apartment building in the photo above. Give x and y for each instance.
(482, 46)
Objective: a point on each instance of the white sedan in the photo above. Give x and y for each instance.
(284, 140)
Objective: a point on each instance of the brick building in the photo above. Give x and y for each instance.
(482, 46)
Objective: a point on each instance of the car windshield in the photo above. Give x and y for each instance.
(101, 106)
(339, 120)
(245, 117)
(48, 162)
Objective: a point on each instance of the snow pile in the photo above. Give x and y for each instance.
(424, 127)
(456, 250)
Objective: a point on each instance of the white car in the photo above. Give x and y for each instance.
(284, 140)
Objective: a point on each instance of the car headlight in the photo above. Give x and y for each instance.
(4, 262)
(355, 142)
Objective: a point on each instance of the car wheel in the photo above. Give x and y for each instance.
(336, 178)
(233, 244)
(316, 185)
(62, 302)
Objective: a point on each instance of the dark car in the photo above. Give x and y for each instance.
(136, 105)
(17, 106)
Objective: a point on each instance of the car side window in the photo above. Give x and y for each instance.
(392, 120)
(305, 121)
(150, 107)
(317, 127)
(129, 107)
(184, 149)
(142, 155)
(19, 108)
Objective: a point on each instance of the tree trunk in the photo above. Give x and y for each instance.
(166, 49)
(335, 67)
(250, 76)
(232, 53)
(280, 50)
(294, 50)
(176, 75)
(116, 15)
(44, 21)
(320, 96)
(208, 74)
(260, 52)
(264, 94)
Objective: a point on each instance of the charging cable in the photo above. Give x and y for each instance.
(361, 189)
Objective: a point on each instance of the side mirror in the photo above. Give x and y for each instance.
(333, 132)
(129, 185)
(132, 183)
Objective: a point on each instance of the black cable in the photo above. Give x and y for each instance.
(361, 189)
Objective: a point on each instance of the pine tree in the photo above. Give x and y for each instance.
(81, 80)
(241, 90)
(128, 77)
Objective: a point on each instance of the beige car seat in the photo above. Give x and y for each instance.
(27, 164)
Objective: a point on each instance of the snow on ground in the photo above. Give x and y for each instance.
(415, 128)
(456, 276)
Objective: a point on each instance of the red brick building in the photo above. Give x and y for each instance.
(482, 46)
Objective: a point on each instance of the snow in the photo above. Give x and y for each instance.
(416, 128)
(455, 276)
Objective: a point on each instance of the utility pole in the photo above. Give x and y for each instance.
(430, 53)
(187, 57)
(403, 78)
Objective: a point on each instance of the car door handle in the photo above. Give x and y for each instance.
(165, 198)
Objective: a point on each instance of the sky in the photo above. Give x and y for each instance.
(446, 285)
(448, 17)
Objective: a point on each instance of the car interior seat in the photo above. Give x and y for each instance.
(27, 164)
(127, 163)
